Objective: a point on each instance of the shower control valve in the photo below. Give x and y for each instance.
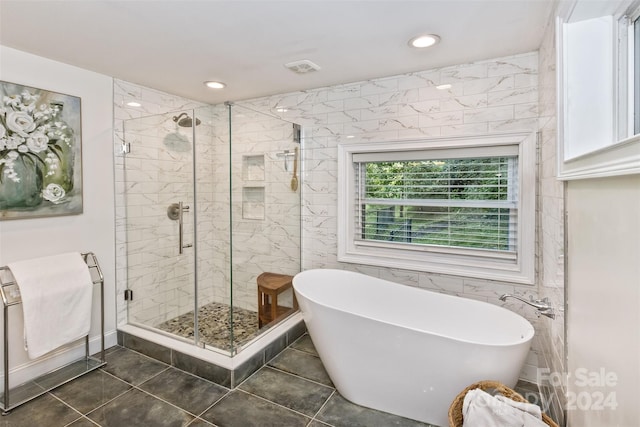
(174, 210)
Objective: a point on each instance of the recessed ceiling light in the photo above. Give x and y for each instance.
(350, 136)
(282, 109)
(215, 85)
(424, 40)
(444, 87)
(134, 104)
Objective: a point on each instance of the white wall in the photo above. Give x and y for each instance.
(603, 311)
(551, 339)
(93, 230)
(589, 104)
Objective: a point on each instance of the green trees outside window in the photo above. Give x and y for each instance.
(466, 203)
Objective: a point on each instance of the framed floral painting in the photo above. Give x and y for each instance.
(40, 153)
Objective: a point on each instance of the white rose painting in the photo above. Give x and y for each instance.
(40, 153)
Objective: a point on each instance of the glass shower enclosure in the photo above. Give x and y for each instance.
(210, 204)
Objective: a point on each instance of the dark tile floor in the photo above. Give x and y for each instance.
(292, 390)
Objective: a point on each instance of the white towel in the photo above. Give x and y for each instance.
(530, 408)
(56, 295)
(481, 409)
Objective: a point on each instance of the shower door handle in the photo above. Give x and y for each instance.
(181, 209)
(175, 211)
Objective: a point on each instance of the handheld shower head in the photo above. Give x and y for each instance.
(186, 121)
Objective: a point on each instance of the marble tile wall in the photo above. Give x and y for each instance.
(551, 231)
(492, 96)
(213, 215)
(265, 211)
(154, 174)
(158, 171)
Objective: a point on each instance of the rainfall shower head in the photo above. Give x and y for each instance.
(186, 121)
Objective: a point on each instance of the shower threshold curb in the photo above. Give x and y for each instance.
(222, 369)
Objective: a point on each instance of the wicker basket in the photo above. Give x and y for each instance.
(455, 410)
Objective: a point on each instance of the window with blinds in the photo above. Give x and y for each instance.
(469, 203)
(461, 205)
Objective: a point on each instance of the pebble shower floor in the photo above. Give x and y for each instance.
(214, 324)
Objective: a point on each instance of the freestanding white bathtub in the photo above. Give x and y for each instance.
(404, 350)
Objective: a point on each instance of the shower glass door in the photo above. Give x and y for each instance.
(160, 222)
(213, 237)
(212, 202)
(247, 220)
(265, 219)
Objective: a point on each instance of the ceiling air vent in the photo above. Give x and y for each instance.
(302, 67)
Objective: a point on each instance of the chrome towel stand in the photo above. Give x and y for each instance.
(10, 293)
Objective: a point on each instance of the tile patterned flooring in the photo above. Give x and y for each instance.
(134, 390)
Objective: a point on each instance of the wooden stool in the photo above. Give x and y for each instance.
(270, 285)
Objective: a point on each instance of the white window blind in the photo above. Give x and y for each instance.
(454, 205)
(431, 202)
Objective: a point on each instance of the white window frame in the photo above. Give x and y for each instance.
(633, 68)
(618, 151)
(463, 263)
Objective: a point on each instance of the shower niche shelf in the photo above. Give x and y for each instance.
(253, 190)
(253, 167)
(253, 202)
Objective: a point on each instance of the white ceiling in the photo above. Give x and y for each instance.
(174, 46)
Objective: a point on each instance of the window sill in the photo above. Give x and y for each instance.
(441, 264)
(622, 158)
